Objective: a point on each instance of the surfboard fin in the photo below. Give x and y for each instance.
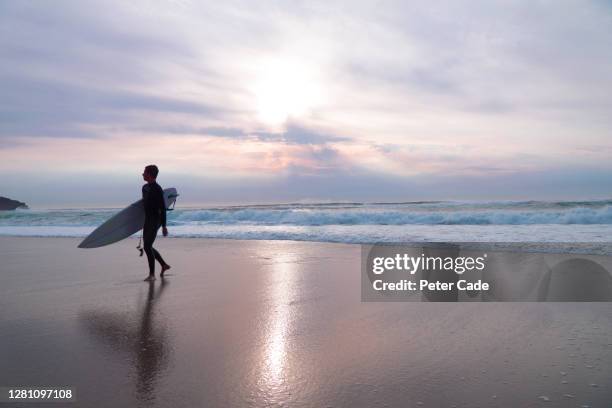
(173, 203)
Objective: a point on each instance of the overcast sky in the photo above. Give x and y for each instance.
(283, 101)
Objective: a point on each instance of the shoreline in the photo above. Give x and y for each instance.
(602, 248)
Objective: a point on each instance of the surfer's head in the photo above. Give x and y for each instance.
(150, 172)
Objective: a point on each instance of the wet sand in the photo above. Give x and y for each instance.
(278, 323)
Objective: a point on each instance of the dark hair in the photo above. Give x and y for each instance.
(152, 170)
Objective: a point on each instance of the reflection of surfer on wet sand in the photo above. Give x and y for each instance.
(147, 345)
(150, 347)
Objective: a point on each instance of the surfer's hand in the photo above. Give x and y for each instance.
(165, 231)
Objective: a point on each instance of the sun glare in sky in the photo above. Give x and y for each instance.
(285, 88)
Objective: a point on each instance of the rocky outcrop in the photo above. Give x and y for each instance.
(8, 204)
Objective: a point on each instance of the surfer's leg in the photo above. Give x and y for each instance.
(148, 236)
(159, 257)
(164, 265)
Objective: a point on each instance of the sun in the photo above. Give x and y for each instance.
(285, 89)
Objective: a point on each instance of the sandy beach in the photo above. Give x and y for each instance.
(278, 323)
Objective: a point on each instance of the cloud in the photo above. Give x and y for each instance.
(296, 134)
(68, 68)
(37, 107)
(293, 134)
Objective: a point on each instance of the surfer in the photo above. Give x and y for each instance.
(155, 216)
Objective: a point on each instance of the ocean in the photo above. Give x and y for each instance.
(353, 222)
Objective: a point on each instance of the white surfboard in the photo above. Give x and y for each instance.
(123, 224)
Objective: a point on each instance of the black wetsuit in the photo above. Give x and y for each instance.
(155, 216)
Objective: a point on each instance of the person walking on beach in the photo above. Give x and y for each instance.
(155, 216)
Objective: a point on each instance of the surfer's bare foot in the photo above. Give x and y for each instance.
(164, 269)
(150, 278)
